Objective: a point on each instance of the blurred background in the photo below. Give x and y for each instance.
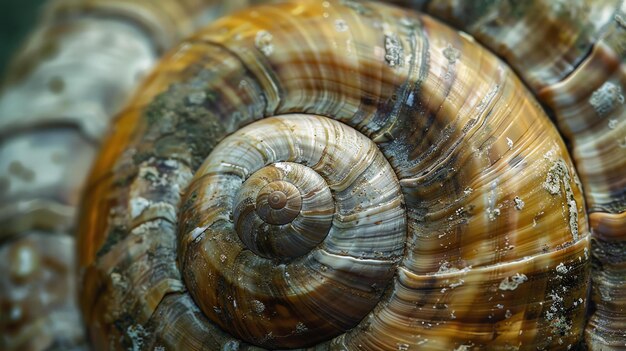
(72, 77)
(17, 18)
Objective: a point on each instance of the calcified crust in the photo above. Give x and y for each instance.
(495, 243)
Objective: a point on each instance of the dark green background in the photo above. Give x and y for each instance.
(17, 18)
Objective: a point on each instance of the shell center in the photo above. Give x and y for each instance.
(277, 200)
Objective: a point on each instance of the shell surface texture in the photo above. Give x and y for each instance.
(346, 175)
(334, 175)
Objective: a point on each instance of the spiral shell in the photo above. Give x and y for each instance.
(337, 254)
(471, 229)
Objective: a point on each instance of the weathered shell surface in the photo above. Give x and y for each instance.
(495, 246)
(579, 76)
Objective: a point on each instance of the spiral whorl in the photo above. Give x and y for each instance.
(433, 207)
(278, 202)
(311, 193)
(283, 210)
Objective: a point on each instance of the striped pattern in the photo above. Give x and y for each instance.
(571, 56)
(328, 288)
(497, 247)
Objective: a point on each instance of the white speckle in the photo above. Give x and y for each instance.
(394, 52)
(410, 99)
(511, 283)
(409, 23)
(500, 306)
(519, 203)
(136, 333)
(263, 42)
(137, 206)
(452, 316)
(145, 228)
(612, 123)
(152, 174)
(457, 284)
(301, 328)
(116, 279)
(171, 163)
(558, 173)
(508, 314)
(509, 142)
(605, 99)
(403, 347)
(196, 98)
(258, 306)
(620, 20)
(451, 53)
(422, 342)
(223, 258)
(552, 184)
(492, 210)
(25, 262)
(493, 213)
(285, 167)
(446, 267)
(197, 232)
(16, 313)
(232, 345)
(341, 25)
(561, 268)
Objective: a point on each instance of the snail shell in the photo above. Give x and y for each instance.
(352, 176)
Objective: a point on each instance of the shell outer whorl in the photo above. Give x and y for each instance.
(493, 252)
(347, 249)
